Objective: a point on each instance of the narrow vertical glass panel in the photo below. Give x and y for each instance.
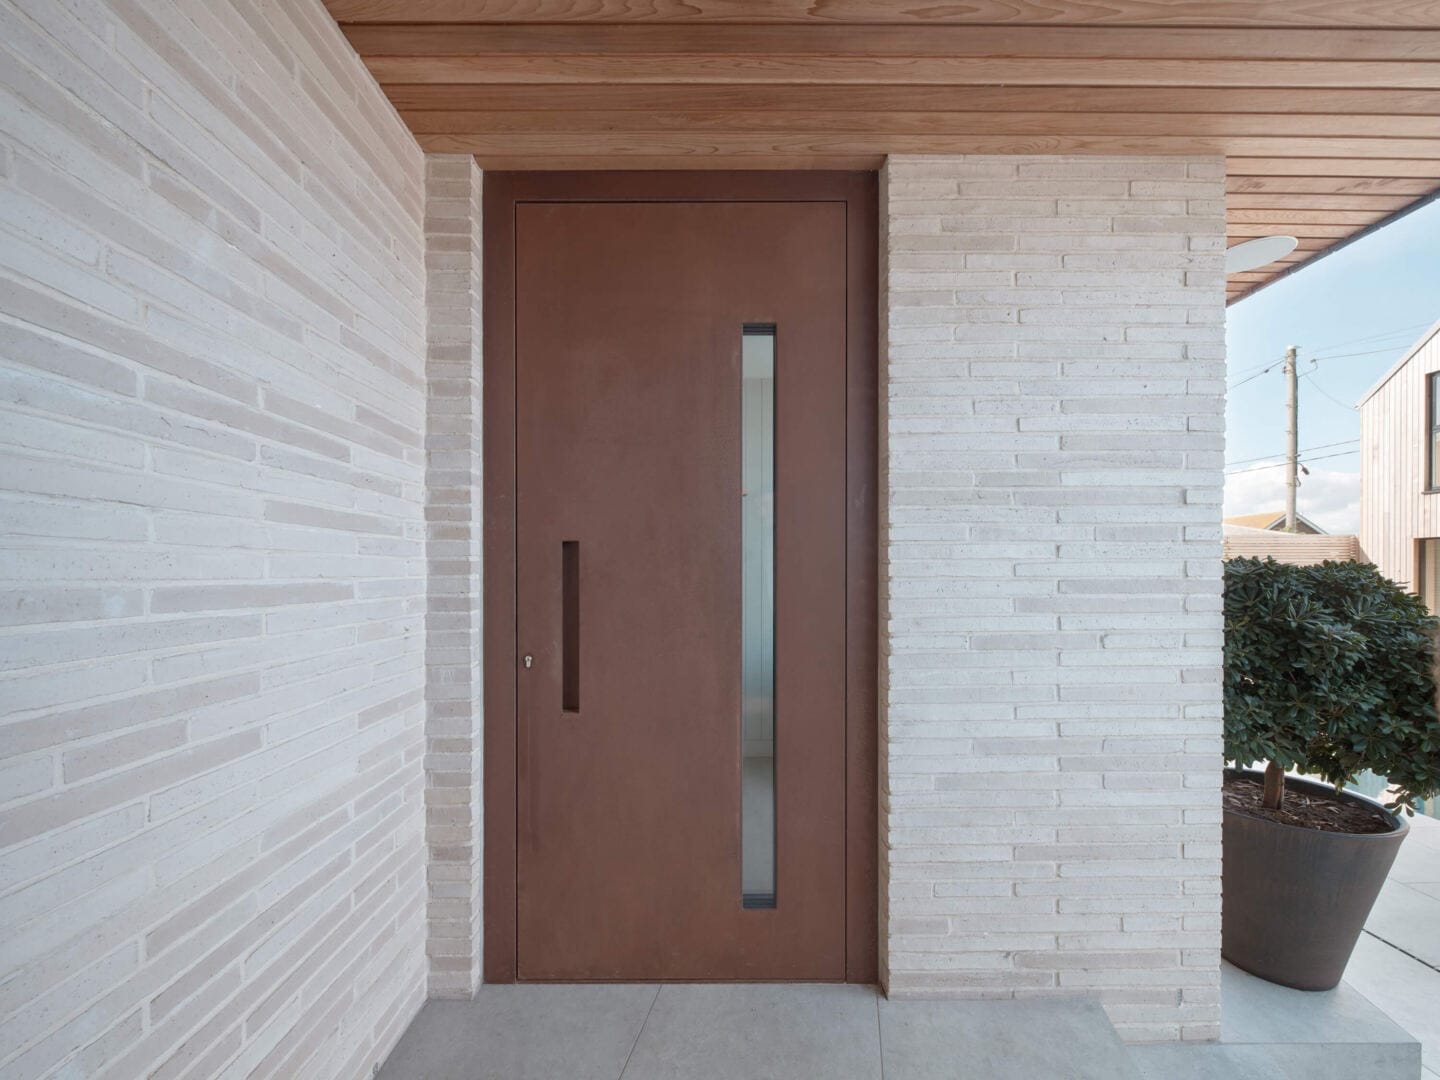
(757, 617)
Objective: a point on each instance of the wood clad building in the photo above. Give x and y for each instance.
(1400, 470)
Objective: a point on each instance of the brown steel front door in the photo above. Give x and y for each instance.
(653, 756)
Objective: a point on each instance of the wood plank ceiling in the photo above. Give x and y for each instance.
(1328, 110)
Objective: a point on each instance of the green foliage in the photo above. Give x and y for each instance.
(1330, 669)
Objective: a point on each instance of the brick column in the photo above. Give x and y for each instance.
(454, 715)
(1051, 458)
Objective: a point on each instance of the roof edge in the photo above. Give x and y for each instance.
(1419, 344)
(1341, 244)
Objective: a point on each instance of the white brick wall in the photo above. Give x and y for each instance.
(239, 594)
(1052, 444)
(211, 614)
(454, 746)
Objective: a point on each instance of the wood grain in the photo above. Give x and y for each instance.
(1272, 216)
(1286, 201)
(956, 42)
(704, 143)
(1331, 232)
(1328, 111)
(1243, 165)
(1331, 185)
(683, 97)
(921, 123)
(1403, 14)
(641, 68)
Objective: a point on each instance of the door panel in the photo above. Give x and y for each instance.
(629, 319)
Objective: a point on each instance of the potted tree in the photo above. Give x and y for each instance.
(1329, 670)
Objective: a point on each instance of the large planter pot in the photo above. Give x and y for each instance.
(1296, 899)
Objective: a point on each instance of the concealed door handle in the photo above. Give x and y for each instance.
(570, 625)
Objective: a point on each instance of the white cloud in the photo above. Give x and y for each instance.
(1329, 498)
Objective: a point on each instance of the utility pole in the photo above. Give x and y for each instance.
(1292, 437)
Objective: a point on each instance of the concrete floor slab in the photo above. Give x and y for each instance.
(759, 1032)
(816, 1032)
(1169, 1061)
(753, 1032)
(1408, 990)
(1418, 861)
(1219, 1061)
(1001, 1040)
(1407, 918)
(1254, 1011)
(552, 1032)
(1271, 1032)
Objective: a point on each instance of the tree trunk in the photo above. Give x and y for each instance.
(1274, 786)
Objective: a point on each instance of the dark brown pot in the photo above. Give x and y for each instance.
(1296, 899)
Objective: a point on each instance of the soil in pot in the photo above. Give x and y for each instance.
(1305, 809)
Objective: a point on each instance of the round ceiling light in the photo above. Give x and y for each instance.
(1253, 254)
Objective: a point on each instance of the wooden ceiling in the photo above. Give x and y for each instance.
(1328, 110)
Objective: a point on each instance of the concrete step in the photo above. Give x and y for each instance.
(777, 1031)
(1270, 1032)
(772, 1031)
(1055, 1038)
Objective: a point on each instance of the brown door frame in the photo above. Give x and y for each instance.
(502, 192)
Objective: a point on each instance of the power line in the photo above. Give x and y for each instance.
(1252, 373)
(1314, 360)
(1346, 356)
(1258, 367)
(1278, 453)
(1325, 393)
(1280, 464)
(1372, 337)
(1265, 371)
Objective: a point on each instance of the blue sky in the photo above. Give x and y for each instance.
(1375, 298)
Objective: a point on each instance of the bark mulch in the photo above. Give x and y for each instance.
(1306, 810)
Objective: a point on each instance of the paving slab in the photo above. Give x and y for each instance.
(1218, 1061)
(1408, 918)
(1270, 1031)
(1396, 963)
(1418, 861)
(524, 1032)
(817, 1032)
(770, 1031)
(1407, 990)
(1253, 1010)
(1001, 1040)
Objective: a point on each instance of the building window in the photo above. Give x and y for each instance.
(1427, 574)
(1432, 450)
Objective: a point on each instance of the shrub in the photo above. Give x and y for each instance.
(1330, 669)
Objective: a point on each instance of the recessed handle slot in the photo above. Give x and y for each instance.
(570, 625)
